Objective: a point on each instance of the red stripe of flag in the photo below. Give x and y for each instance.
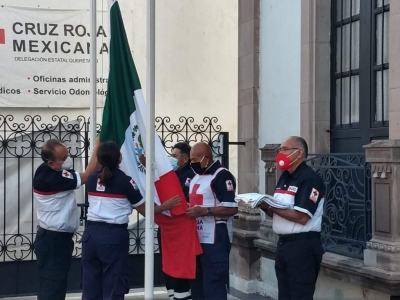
(167, 187)
(2, 36)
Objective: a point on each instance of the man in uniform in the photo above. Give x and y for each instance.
(299, 251)
(212, 203)
(54, 186)
(179, 288)
(181, 156)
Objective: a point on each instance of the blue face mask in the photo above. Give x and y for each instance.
(174, 163)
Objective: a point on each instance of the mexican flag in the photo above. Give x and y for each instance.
(124, 123)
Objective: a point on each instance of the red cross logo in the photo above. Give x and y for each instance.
(100, 185)
(134, 184)
(195, 199)
(229, 186)
(66, 174)
(314, 195)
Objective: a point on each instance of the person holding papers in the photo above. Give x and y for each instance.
(105, 242)
(299, 251)
(212, 204)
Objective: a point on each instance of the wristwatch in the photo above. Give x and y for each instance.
(209, 214)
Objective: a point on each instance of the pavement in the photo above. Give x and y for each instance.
(159, 294)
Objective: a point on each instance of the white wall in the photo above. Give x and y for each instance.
(279, 73)
(196, 53)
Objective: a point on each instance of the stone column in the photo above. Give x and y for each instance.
(315, 73)
(249, 39)
(268, 238)
(394, 70)
(383, 250)
(245, 258)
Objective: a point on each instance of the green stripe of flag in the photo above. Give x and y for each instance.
(123, 80)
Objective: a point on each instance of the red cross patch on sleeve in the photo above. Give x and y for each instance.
(229, 186)
(187, 182)
(134, 184)
(314, 195)
(100, 187)
(67, 174)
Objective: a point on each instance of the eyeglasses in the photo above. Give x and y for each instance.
(285, 149)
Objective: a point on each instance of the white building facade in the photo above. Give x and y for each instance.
(327, 70)
(196, 50)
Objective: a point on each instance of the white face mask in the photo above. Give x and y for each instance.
(68, 164)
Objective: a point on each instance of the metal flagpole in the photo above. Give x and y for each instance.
(110, 3)
(93, 74)
(150, 153)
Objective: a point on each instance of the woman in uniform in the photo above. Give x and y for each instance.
(105, 243)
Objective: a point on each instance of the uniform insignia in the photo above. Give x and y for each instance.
(187, 183)
(314, 195)
(229, 186)
(292, 189)
(100, 187)
(134, 184)
(67, 174)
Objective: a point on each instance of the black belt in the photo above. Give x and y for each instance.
(105, 224)
(55, 233)
(283, 238)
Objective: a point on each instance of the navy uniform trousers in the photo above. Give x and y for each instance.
(54, 255)
(212, 268)
(105, 252)
(297, 263)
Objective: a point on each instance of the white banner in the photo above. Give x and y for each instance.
(45, 57)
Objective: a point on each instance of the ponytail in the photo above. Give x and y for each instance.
(106, 175)
(109, 156)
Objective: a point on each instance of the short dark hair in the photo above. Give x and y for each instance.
(183, 147)
(303, 144)
(48, 150)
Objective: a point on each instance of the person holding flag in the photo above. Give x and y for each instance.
(54, 186)
(213, 205)
(124, 123)
(179, 288)
(105, 242)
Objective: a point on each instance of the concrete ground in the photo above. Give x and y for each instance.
(159, 294)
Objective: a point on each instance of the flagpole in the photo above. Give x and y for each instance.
(93, 74)
(150, 153)
(110, 3)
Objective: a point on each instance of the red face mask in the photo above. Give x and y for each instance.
(283, 161)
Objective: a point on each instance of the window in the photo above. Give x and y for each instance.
(381, 61)
(347, 75)
(359, 73)
(348, 16)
